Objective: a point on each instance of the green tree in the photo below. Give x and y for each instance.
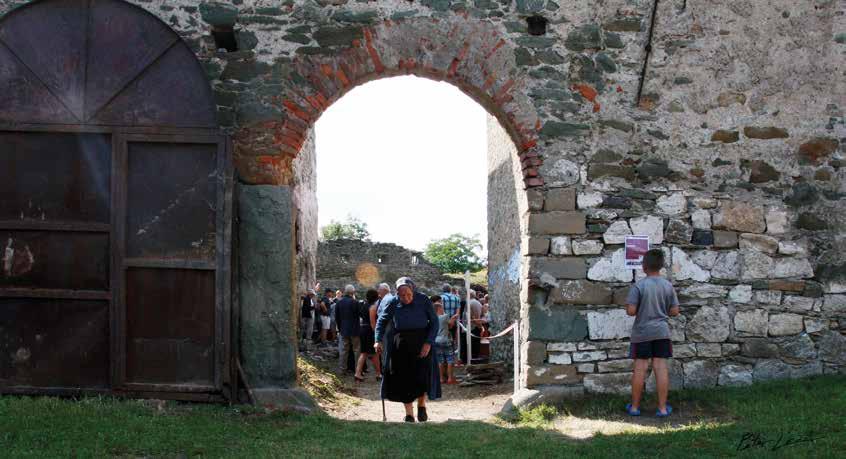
(353, 228)
(455, 254)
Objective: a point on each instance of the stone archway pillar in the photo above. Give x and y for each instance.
(268, 296)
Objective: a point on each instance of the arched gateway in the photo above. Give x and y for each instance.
(117, 230)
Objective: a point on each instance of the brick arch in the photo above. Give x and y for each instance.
(470, 54)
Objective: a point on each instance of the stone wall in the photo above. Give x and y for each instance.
(506, 206)
(366, 264)
(716, 127)
(304, 186)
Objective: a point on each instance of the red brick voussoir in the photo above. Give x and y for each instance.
(468, 53)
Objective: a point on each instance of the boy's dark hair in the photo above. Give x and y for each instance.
(371, 296)
(435, 298)
(653, 261)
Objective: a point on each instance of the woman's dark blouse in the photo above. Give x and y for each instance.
(417, 315)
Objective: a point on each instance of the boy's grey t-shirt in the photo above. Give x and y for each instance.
(653, 296)
(443, 336)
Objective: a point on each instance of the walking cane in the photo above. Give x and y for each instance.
(384, 417)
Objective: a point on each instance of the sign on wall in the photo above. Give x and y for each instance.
(636, 248)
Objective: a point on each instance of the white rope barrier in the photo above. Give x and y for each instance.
(498, 335)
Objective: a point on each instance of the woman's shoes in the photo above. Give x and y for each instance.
(421, 414)
(409, 418)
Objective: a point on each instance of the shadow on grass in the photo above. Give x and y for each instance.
(776, 414)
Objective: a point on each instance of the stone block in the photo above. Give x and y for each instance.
(740, 216)
(677, 326)
(768, 297)
(726, 266)
(799, 304)
(560, 199)
(556, 324)
(614, 366)
(268, 308)
(685, 269)
(725, 239)
(537, 245)
(648, 225)
(792, 267)
(617, 232)
(679, 232)
(610, 324)
(703, 291)
(610, 269)
(792, 248)
(815, 325)
(561, 347)
(585, 367)
(832, 347)
(608, 383)
(557, 222)
(589, 199)
(546, 395)
(587, 247)
(676, 373)
(808, 369)
(702, 237)
(740, 293)
(561, 246)
(754, 322)
(777, 221)
(770, 369)
(588, 356)
(785, 324)
(709, 324)
(534, 352)
(786, 285)
(730, 349)
(701, 219)
(735, 375)
(709, 350)
(561, 358)
(536, 199)
(755, 265)
(683, 351)
(551, 374)
(673, 204)
(289, 400)
(701, 373)
(759, 242)
(581, 292)
(797, 349)
(759, 348)
(557, 268)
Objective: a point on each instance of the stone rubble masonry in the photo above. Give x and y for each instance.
(593, 166)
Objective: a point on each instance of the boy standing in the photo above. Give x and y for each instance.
(444, 354)
(652, 300)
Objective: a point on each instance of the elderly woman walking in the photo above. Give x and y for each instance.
(408, 369)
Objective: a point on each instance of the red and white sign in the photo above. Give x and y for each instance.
(636, 248)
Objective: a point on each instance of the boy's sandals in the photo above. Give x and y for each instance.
(631, 411)
(659, 414)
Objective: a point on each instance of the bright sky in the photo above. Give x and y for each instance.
(404, 141)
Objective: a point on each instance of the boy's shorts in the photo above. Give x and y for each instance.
(659, 348)
(325, 322)
(444, 354)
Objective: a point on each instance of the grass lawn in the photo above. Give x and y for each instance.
(714, 423)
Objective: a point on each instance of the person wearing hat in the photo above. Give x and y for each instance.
(408, 370)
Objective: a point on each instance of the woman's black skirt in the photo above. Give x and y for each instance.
(367, 340)
(408, 376)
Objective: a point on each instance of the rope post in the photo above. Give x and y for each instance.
(516, 332)
(469, 325)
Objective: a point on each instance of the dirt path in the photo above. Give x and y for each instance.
(360, 400)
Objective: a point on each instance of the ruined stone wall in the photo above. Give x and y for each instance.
(304, 186)
(715, 127)
(507, 205)
(366, 264)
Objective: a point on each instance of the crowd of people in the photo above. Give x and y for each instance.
(412, 341)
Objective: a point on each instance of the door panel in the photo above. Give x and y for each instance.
(173, 312)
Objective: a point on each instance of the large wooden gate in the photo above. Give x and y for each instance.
(115, 208)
